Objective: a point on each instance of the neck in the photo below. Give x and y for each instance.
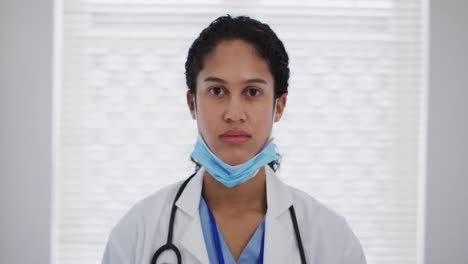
(250, 195)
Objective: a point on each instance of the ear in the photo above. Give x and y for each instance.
(190, 104)
(280, 105)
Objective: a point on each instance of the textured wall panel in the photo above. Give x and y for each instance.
(349, 137)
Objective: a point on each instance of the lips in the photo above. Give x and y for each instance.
(235, 136)
(235, 133)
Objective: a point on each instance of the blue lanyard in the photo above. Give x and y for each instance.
(219, 251)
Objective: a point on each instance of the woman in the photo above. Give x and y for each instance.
(234, 209)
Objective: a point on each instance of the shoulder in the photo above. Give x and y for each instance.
(147, 208)
(312, 209)
(127, 236)
(326, 229)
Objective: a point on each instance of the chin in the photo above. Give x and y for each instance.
(235, 163)
(235, 154)
(235, 160)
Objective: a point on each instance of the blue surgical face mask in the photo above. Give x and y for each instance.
(230, 175)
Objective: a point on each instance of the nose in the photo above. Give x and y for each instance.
(235, 110)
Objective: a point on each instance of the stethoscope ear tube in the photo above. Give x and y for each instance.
(169, 245)
(298, 234)
(174, 208)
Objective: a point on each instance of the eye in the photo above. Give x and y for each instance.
(253, 92)
(217, 91)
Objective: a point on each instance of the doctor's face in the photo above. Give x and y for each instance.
(235, 101)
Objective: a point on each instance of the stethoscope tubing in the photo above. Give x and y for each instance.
(170, 246)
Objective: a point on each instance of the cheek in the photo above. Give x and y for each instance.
(207, 118)
(263, 122)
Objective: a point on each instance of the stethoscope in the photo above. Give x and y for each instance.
(170, 246)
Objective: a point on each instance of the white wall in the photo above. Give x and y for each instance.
(447, 170)
(25, 146)
(26, 116)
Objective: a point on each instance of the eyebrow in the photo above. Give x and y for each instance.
(216, 79)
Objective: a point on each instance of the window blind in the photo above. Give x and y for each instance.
(350, 135)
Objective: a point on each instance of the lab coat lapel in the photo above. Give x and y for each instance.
(189, 221)
(279, 232)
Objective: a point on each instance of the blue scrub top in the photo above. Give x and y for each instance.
(250, 253)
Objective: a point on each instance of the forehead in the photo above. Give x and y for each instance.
(234, 60)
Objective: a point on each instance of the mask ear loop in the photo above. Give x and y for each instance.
(196, 117)
(272, 124)
(273, 121)
(194, 105)
(274, 111)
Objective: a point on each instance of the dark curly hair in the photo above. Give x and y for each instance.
(260, 35)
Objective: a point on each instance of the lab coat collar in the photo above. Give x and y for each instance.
(279, 198)
(189, 200)
(192, 236)
(279, 235)
(279, 239)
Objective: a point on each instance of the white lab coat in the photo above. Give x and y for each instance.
(326, 237)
